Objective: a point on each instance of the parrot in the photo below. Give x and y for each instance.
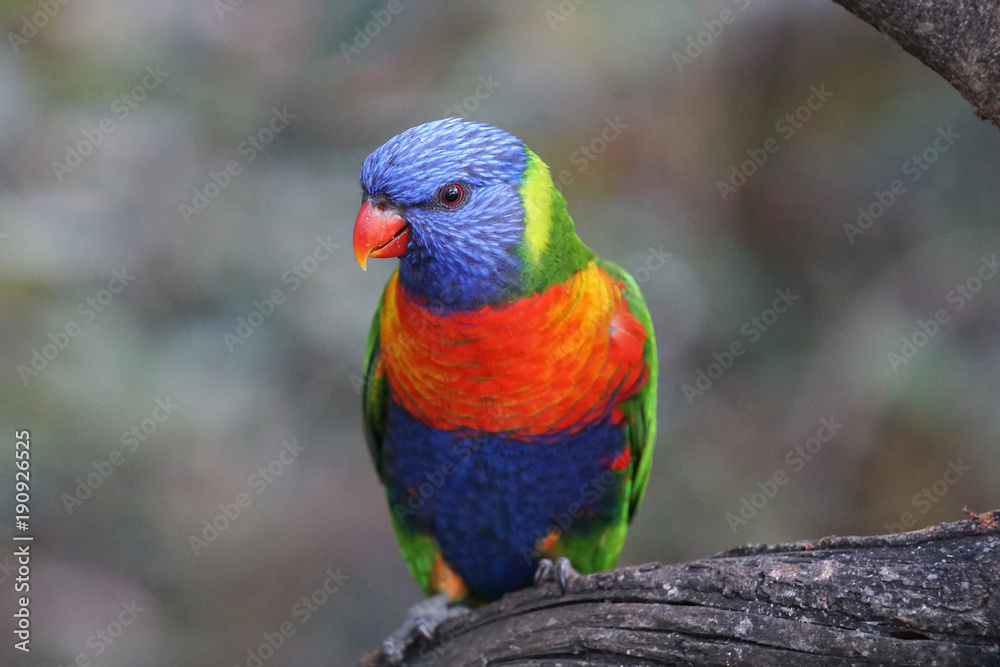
(509, 382)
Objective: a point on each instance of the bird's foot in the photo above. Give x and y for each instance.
(421, 620)
(561, 572)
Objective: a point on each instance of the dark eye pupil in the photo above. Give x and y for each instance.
(451, 194)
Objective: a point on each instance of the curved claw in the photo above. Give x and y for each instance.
(421, 620)
(561, 572)
(426, 630)
(543, 573)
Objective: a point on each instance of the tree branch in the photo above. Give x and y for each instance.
(926, 597)
(960, 40)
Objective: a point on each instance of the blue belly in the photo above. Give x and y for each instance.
(489, 500)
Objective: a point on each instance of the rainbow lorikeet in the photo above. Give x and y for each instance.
(510, 377)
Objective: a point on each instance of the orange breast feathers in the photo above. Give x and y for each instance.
(549, 363)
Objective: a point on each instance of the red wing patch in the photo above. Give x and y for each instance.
(622, 460)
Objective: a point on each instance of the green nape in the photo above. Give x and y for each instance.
(551, 250)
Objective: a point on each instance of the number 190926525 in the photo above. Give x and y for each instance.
(22, 478)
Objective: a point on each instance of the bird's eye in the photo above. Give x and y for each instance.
(452, 195)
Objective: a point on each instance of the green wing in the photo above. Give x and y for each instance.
(374, 392)
(640, 410)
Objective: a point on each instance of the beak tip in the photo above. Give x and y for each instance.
(361, 256)
(379, 232)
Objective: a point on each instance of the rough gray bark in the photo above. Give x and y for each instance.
(958, 39)
(930, 597)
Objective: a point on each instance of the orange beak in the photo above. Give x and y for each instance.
(379, 231)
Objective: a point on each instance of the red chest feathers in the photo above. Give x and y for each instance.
(551, 362)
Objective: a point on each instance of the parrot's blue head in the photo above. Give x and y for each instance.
(445, 198)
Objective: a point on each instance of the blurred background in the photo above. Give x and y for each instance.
(811, 213)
